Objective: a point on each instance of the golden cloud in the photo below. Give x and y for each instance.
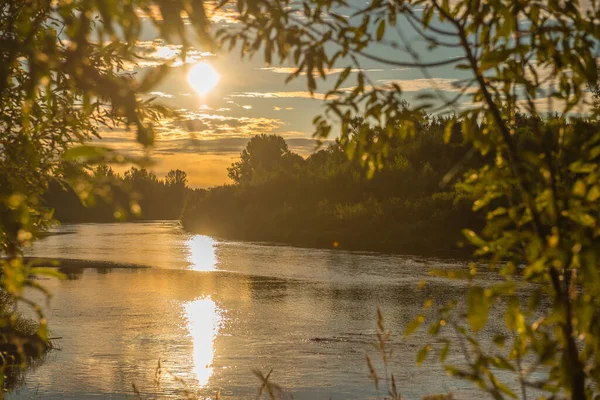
(152, 53)
(280, 95)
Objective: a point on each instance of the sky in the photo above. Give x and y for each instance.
(251, 98)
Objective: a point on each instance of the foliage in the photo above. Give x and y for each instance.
(541, 191)
(61, 78)
(327, 200)
(62, 81)
(263, 155)
(137, 194)
(176, 177)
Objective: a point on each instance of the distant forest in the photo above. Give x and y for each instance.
(137, 194)
(330, 199)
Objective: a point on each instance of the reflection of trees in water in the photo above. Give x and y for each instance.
(359, 302)
(271, 289)
(74, 269)
(72, 273)
(104, 270)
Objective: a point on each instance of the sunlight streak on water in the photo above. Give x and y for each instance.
(202, 253)
(203, 324)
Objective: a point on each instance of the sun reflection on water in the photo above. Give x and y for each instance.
(202, 253)
(203, 323)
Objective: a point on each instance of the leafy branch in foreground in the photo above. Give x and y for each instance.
(541, 195)
(63, 80)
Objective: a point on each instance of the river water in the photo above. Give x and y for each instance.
(213, 311)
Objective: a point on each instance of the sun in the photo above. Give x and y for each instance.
(203, 78)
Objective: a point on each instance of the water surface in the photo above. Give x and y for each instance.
(212, 311)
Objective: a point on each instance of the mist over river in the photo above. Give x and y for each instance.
(212, 311)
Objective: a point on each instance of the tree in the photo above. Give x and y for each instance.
(139, 176)
(62, 80)
(176, 178)
(61, 77)
(541, 194)
(263, 155)
(104, 171)
(176, 184)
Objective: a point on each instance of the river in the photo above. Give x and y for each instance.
(212, 311)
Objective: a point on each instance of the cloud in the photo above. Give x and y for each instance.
(162, 94)
(229, 145)
(416, 85)
(176, 135)
(193, 144)
(291, 70)
(195, 125)
(407, 85)
(152, 53)
(279, 95)
(223, 15)
(209, 125)
(215, 15)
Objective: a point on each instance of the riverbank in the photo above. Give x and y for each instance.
(73, 269)
(72, 263)
(413, 242)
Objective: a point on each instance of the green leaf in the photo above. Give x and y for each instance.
(593, 193)
(505, 389)
(47, 271)
(474, 238)
(342, 77)
(579, 188)
(444, 351)
(499, 340)
(448, 131)
(414, 325)
(427, 15)
(381, 29)
(478, 307)
(422, 354)
(502, 363)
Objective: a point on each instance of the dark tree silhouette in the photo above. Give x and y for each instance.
(138, 190)
(176, 177)
(263, 155)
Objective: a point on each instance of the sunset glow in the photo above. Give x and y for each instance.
(203, 78)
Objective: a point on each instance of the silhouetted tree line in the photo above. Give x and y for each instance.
(410, 205)
(136, 194)
(329, 199)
